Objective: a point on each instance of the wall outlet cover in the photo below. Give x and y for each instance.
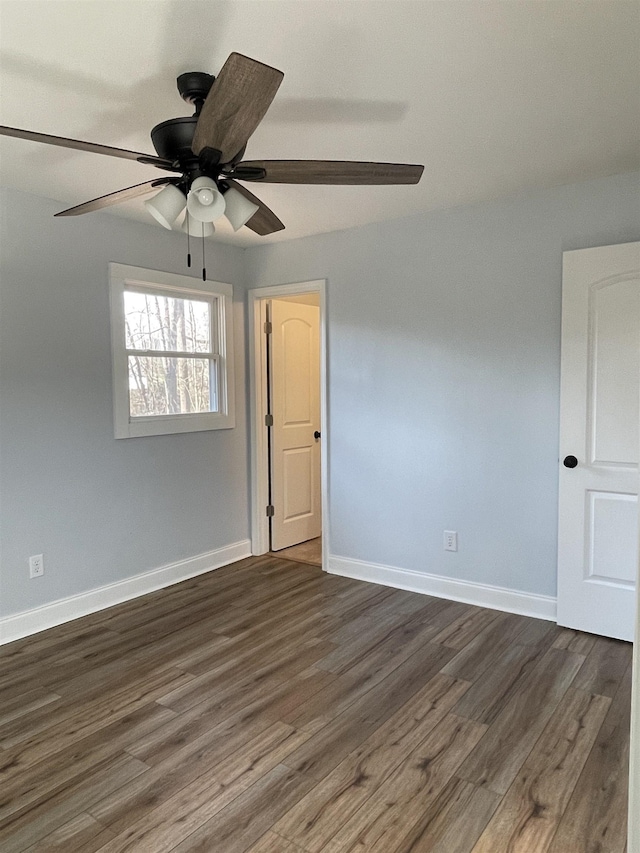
(450, 540)
(36, 566)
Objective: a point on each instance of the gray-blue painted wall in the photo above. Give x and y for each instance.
(99, 509)
(444, 342)
(444, 368)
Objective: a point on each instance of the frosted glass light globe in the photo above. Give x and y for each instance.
(167, 205)
(205, 202)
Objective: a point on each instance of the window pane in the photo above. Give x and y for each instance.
(171, 386)
(159, 322)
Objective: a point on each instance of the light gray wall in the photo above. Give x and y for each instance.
(100, 510)
(443, 393)
(444, 357)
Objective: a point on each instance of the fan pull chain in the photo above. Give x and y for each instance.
(204, 264)
(188, 240)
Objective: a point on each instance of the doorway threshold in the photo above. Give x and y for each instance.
(305, 552)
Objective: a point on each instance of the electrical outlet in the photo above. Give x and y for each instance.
(36, 566)
(450, 540)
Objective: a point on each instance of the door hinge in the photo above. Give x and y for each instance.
(268, 420)
(270, 511)
(268, 328)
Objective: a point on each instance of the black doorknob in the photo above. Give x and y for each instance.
(570, 462)
(316, 435)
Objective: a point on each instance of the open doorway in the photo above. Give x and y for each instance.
(288, 418)
(293, 429)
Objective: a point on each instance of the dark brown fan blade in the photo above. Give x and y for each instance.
(329, 172)
(263, 221)
(235, 106)
(115, 198)
(92, 147)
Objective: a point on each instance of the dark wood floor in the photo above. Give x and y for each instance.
(270, 708)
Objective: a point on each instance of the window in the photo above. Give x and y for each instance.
(172, 350)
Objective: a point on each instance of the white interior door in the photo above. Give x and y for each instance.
(599, 425)
(295, 434)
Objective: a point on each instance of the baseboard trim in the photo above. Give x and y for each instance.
(482, 595)
(64, 610)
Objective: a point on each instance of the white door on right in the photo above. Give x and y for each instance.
(599, 440)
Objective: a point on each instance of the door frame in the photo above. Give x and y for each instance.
(257, 298)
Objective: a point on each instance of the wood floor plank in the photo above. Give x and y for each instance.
(87, 699)
(384, 615)
(58, 773)
(57, 642)
(384, 682)
(498, 758)
(315, 819)
(272, 843)
(453, 822)
(250, 704)
(64, 733)
(307, 684)
(235, 828)
(23, 705)
(488, 647)
(488, 695)
(604, 667)
(238, 691)
(360, 731)
(405, 634)
(240, 653)
(574, 641)
(384, 819)
(268, 707)
(465, 628)
(538, 633)
(210, 757)
(595, 819)
(82, 834)
(246, 812)
(223, 655)
(97, 672)
(26, 828)
(182, 730)
(529, 814)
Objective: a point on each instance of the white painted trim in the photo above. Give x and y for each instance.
(469, 592)
(257, 371)
(64, 610)
(220, 296)
(633, 841)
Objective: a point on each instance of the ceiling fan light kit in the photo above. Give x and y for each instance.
(204, 154)
(167, 205)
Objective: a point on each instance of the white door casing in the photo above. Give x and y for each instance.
(599, 422)
(295, 406)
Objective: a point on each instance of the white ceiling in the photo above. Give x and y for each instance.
(495, 98)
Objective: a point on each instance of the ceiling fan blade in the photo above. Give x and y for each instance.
(264, 221)
(92, 147)
(328, 172)
(116, 197)
(235, 106)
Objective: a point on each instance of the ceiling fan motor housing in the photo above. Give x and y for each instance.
(173, 138)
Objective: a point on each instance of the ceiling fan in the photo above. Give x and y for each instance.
(205, 150)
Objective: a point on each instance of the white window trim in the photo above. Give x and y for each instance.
(121, 277)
